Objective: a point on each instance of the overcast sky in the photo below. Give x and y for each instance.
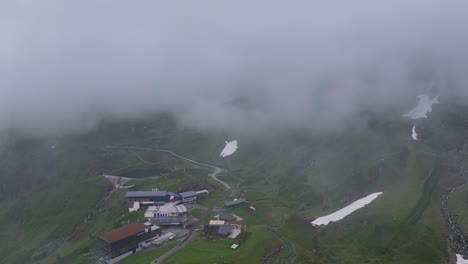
(248, 65)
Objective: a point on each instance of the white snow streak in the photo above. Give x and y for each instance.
(461, 260)
(136, 207)
(424, 106)
(229, 149)
(342, 213)
(415, 135)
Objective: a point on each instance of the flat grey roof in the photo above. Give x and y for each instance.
(228, 217)
(188, 194)
(172, 194)
(217, 229)
(134, 194)
(224, 229)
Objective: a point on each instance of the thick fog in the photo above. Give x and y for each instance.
(246, 65)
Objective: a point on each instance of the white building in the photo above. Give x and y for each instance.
(217, 222)
(166, 210)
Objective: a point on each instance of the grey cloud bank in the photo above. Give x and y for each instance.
(247, 66)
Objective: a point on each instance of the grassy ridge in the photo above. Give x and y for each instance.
(216, 250)
(147, 257)
(291, 181)
(429, 186)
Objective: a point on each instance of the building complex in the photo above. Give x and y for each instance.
(126, 240)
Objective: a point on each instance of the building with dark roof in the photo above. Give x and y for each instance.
(217, 230)
(171, 221)
(157, 197)
(227, 217)
(188, 196)
(234, 203)
(126, 238)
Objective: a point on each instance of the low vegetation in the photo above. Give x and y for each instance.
(218, 250)
(147, 257)
(52, 208)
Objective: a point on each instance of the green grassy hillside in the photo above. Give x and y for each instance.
(54, 201)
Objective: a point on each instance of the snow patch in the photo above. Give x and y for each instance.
(461, 260)
(415, 135)
(424, 106)
(136, 207)
(229, 149)
(342, 213)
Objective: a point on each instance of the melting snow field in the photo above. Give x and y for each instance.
(461, 260)
(415, 135)
(424, 106)
(136, 206)
(342, 213)
(229, 149)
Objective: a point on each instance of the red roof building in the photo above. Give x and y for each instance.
(122, 232)
(126, 238)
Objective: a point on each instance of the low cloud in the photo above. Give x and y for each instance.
(248, 66)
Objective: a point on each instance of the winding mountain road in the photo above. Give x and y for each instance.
(198, 223)
(212, 175)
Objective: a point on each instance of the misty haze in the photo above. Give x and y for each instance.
(234, 132)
